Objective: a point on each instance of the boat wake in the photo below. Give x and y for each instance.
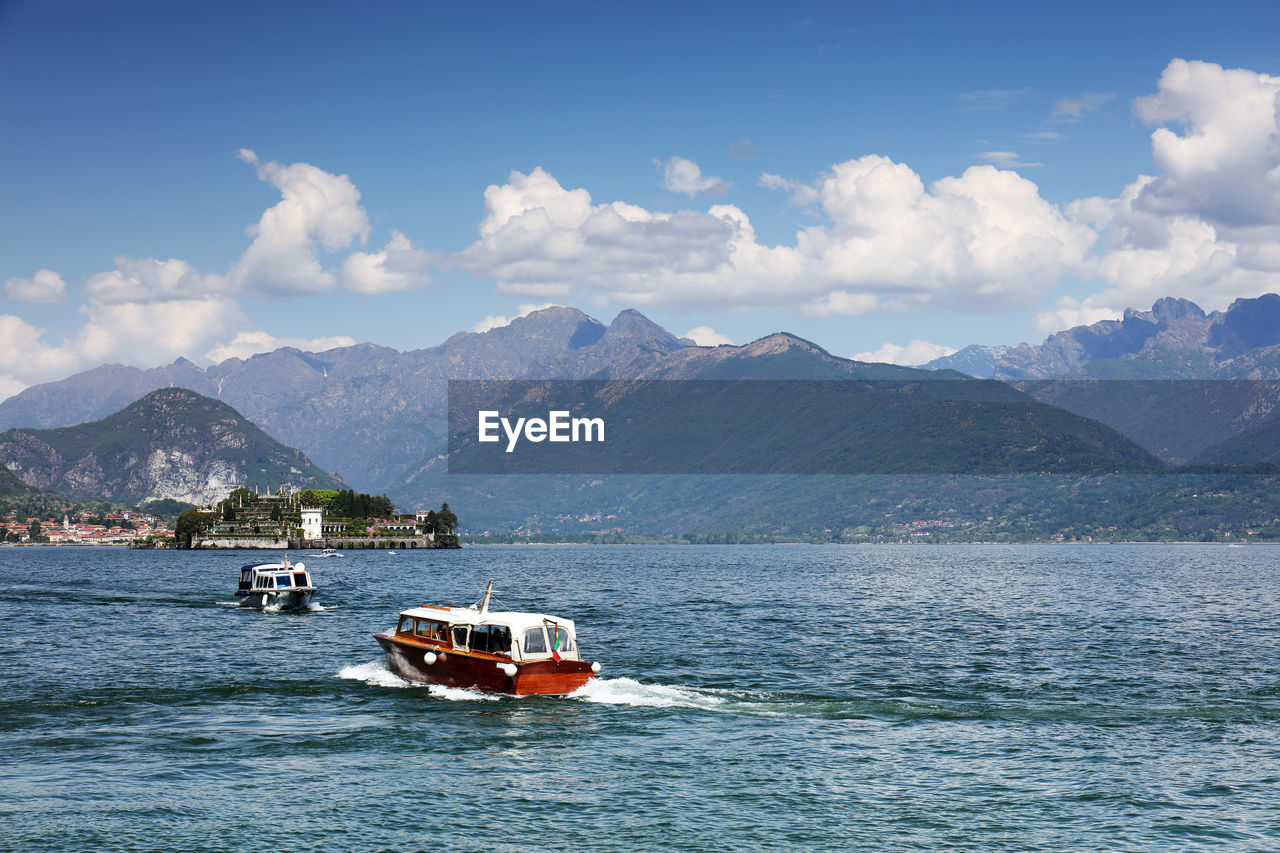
(628, 691)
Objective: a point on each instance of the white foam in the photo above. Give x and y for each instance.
(628, 691)
(376, 674)
(460, 694)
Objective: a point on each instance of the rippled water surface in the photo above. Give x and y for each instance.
(814, 698)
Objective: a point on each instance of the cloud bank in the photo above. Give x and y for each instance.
(1204, 226)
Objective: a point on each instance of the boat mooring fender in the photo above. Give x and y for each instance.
(264, 599)
(595, 666)
(429, 658)
(508, 669)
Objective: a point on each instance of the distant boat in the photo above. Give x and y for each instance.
(494, 651)
(328, 552)
(275, 585)
(392, 553)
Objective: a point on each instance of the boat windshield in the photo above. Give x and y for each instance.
(282, 580)
(535, 642)
(562, 642)
(432, 630)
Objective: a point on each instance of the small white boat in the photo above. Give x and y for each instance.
(392, 553)
(275, 585)
(328, 552)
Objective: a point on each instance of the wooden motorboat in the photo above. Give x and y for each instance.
(494, 651)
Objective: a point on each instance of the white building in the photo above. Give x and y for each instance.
(311, 523)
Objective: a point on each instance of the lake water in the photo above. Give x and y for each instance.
(788, 698)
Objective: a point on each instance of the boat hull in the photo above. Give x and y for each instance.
(479, 671)
(285, 599)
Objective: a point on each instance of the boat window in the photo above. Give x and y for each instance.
(460, 636)
(535, 642)
(564, 641)
(432, 630)
(491, 638)
(300, 579)
(406, 625)
(282, 580)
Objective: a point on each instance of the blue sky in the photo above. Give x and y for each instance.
(214, 179)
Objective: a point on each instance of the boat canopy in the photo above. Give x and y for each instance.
(517, 621)
(263, 576)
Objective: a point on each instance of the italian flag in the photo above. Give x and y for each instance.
(555, 644)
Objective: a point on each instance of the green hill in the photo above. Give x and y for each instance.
(1255, 449)
(171, 444)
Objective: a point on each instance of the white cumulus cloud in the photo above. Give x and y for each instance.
(139, 334)
(399, 266)
(1207, 226)
(685, 176)
(151, 280)
(1225, 164)
(802, 194)
(982, 239)
(46, 287)
(317, 210)
(1069, 312)
(914, 353)
(247, 344)
(705, 336)
(497, 321)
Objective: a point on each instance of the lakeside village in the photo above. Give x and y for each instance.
(86, 527)
(287, 518)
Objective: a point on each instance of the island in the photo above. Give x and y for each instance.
(313, 518)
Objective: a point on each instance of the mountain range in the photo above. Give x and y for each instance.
(1176, 339)
(377, 416)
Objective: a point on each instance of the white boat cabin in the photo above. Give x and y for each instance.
(519, 636)
(262, 577)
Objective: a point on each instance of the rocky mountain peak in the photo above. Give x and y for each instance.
(1248, 324)
(1170, 310)
(171, 443)
(633, 327)
(780, 342)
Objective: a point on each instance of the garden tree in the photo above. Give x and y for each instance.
(186, 528)
(381, 507)
(228, 511)
(276, 514)
(243, 496)
(445, 519)
(325, 499)
(34, 532)
(429, 525)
